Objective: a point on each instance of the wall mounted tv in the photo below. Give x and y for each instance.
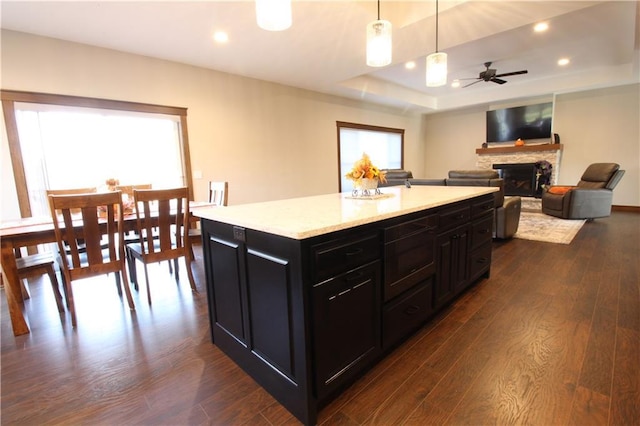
(523, 122)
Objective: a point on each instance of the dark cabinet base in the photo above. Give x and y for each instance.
(306, 318)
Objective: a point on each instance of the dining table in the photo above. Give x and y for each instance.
(34, 231)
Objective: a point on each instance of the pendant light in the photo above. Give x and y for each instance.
(273, 15)
(379, 42)
(437, 63)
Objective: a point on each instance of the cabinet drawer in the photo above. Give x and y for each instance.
(407, 261)
(481, 231)
(480, 261)
(337, 256)
(406, 228)
(403, 316)
(481, 207)
(452, 217)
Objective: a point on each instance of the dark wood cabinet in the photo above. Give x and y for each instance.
(257, 307)
(452, 251)
(346, 326)
(307, 317)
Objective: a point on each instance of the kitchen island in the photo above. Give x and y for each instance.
(307, 294)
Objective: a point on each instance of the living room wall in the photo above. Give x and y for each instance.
(601, 125)
(272, 141)
(269, 141)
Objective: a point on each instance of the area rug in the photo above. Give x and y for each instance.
(550, 229)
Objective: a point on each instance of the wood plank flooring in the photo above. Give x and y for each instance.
(551, 338)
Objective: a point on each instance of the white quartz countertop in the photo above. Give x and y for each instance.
(306, 217)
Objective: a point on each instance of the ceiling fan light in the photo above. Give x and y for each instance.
(273, 15)
(379, 43)
(436, 69)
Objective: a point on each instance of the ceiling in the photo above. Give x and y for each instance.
(324, 50)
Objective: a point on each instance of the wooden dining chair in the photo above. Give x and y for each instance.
(165, 213)
(132, 236)
(99, 215)
(218, 196)
(35, 265)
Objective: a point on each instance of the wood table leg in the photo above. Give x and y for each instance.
(12, 291)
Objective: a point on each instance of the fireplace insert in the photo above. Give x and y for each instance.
(519, 178)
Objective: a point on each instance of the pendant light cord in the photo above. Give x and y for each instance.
(378, 10)
(436, 23)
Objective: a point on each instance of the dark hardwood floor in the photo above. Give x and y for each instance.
(552, 338)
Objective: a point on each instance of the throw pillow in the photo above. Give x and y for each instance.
(560, 190)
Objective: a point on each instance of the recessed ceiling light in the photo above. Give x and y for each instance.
(541, 27)
(410, 65)
(220, 37)
(455, 83)
(563, 61)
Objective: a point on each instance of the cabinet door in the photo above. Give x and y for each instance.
(225, 262)
(452, 252)
(346, 326)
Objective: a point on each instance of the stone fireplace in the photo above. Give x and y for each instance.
(520, 155)
(519, 178)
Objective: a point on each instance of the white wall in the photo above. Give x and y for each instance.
(269, 141)
(595, 126)
(272, 141)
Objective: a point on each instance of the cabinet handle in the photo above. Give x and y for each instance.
(483, 231)
(355, 252)
(454, 237)
(482, 260)
(344, 292)
(412, 309)
(460, 216)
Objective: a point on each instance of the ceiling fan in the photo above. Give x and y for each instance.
(490, 75)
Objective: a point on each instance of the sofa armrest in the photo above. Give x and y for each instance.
(590, 203)
(507, 218)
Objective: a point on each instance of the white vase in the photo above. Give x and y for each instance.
(365, 187)
(367, 184)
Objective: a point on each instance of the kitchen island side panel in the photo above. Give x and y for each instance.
(269, 302)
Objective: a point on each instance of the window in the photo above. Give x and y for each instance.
(134, 143)
(384, 146)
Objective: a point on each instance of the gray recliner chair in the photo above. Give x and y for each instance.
(591, 198)
(507, 209)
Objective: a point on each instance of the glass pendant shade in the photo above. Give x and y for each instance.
(273, 15)
(437, 69)
(379, 43)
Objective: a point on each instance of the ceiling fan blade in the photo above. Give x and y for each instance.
(497, 80)
(469, 78)
(512, 73)
(470, 84)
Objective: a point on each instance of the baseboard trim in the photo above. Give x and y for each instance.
(629, 209)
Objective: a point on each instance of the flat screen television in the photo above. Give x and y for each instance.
(523, 122)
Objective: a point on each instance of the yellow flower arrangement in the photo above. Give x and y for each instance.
(364, 169)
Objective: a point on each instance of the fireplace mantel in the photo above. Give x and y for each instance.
(486, 157)
(518, 149)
